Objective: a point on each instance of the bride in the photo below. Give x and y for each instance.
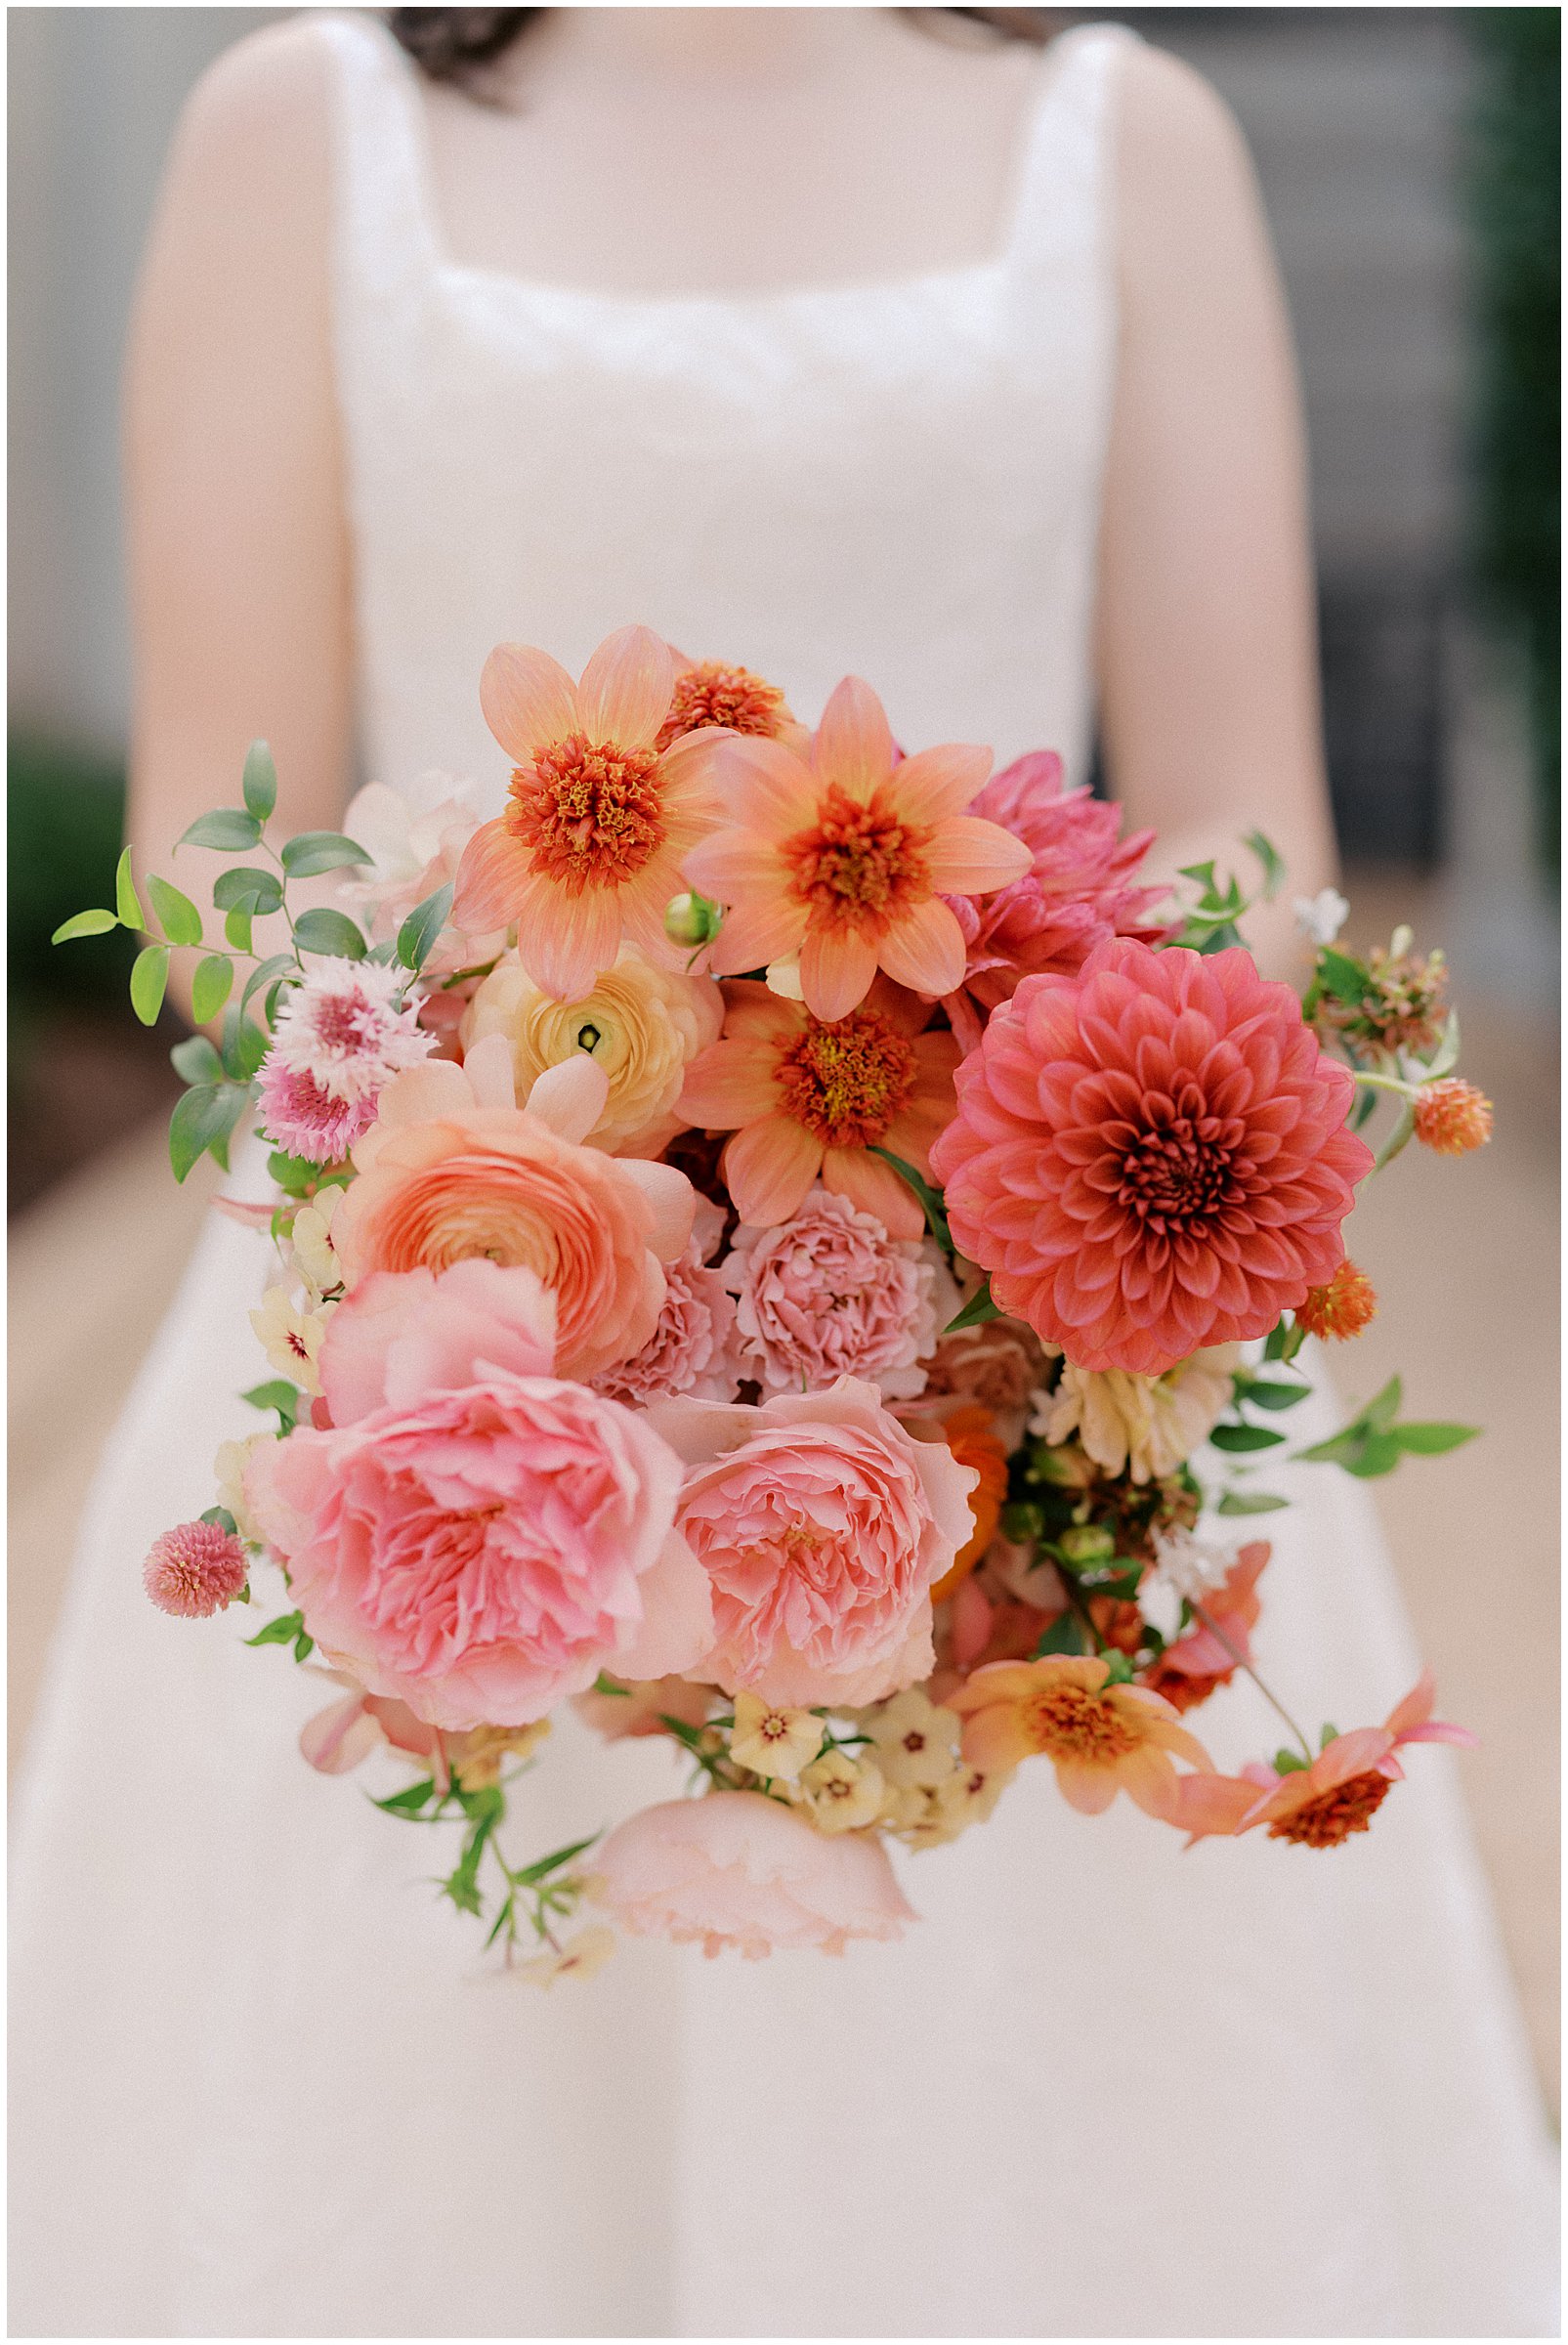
(816, 339)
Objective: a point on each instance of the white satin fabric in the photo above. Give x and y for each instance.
(262, 2083)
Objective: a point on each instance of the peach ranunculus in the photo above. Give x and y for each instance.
(823, 1526)
(1101, 1737)
(738, 1869)
(808, 1101)
(1152, 1157)
(846, 859)
(642, 1025)
(599, 817)
(452, 1168)
(482, 1553)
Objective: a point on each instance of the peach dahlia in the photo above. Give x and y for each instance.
(1151, 1158)
(846, 858)
(599, 815)
(809, 1100)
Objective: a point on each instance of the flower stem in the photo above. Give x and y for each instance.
(1242, 1663)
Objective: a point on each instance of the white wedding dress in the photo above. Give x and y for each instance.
(262, 2082)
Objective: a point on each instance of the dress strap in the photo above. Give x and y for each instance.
(1062, 196)
(387, 235)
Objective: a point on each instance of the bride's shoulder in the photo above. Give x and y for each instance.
(1185, 183)
(257, 126)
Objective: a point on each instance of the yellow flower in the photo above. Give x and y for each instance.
(771, 1741)
(580, 1956)
(642, 1025)
(478, 1757)
(229, 1468)
(312, 1239)
(1149, 1424)
(842, 1792)
(291, 1338)
(915, 1743)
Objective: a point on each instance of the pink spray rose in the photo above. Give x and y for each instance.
(822, 1526)
(481, 1554)
(737, 1869)
(829, 1294)
(692, 1349)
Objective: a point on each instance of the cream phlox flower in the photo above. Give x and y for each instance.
(842, 1792)
(1143, 1424)
(915, 1742)
(580, 1956)
(773, 1741)
(312, 1239)
(1321, 917)
(930, 1818)
(291, 1338)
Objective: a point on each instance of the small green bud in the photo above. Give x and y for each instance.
(692, 921)
(1087, 1544)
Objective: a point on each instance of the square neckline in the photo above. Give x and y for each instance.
(1053, 73)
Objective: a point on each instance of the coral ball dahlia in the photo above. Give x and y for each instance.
(1151, 1157)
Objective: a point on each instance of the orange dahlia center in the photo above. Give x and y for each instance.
(712, 694)
(857, 865)
(1067, 1723)
(589, 813)
(1323, 1823)
(847, 1082)
(1178, 1172)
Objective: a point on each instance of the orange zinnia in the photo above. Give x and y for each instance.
(846, 859)
(599, 817)
(1101, 1738)
(805, 1100)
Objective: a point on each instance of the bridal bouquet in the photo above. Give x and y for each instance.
(761, 1232)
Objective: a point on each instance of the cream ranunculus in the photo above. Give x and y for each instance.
(1142, 1424)
(642, 1025)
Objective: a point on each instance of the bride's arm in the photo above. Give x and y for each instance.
(1207, 652)
(239, 564)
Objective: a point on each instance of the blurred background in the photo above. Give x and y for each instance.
(1409, 160)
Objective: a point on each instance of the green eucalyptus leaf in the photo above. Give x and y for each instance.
(84, 923)
(281, 1631)
(150, 976)
(260, 782)
(127, 903)
(313, 851)
(976, 1311)
(263, 973)
(417, 936)
(247, 887)
(230, 828)
(1276, 1397)
(327, 931)
(211, 986)
(1242, 1438)
(1381, 1411)
(244, 1047)
(194, 1060)
(1251, 1502)
(202, 1119)
(1431, 1439)
(1268, 855)
(1380, 1453)
(177, 915)
(237, 930)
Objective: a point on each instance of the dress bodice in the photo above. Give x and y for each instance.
(898, 480)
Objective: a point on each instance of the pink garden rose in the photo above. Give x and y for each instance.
(829, 1294)
(822, 1526)
(481, 1554)
(404, 1333)
(737, 1869)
